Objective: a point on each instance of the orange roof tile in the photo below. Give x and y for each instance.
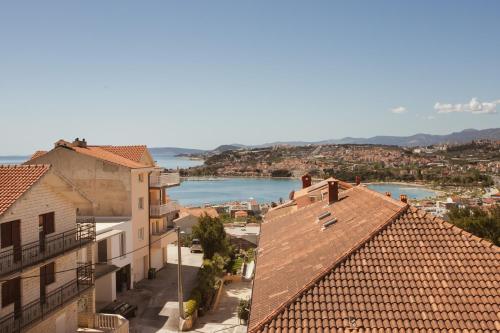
(382, 266)
(133, 153)
(38, 153)
(199, 211)
(99, 152)
(15, 180)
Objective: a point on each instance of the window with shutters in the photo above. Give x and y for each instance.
(48, 273)
(11, 291)
(47, 223)
(102, 250)
(6, 230)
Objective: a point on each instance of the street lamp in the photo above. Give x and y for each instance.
(180, 293)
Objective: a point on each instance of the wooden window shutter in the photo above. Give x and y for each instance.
(50, 276)
(5, 293)
(11, 290)
(49, 223)
(6, 231)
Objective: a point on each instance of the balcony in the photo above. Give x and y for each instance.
(164, 179)
(163, 209)
(38, 310)
(15, 259)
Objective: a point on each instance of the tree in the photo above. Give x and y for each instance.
(482, 223)
(210, 231)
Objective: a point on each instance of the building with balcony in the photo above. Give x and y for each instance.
(121, 181)
(44, 286)
(113, 258)
(162, 212)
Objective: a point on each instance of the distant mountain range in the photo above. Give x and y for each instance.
(420, 139)
(171, 151)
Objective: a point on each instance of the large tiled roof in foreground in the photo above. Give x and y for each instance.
(406, 272)
(15, 180)
(316, 190)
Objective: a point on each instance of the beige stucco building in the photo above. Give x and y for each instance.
(44, 287)
(122, 181)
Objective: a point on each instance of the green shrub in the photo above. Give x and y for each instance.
(190, 307)
(236, 268)
(244, 309)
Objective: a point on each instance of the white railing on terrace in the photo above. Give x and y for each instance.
(112, 323)
(164, 179)
(163, 209)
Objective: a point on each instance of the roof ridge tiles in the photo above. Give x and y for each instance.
(461, 231)
(329, 268)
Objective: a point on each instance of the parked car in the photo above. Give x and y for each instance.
(124, 309)
(196, 246)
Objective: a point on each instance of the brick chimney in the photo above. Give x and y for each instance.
(388, 194)
(358, 180)
(333, 191)
(306, 180)
(403, 198)
(79, 143)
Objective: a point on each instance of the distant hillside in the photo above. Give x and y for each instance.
(424, 139)
(223, 148)
(420, 139)
(175, 151)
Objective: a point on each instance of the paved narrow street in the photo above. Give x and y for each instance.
(157, 304)
(224, 319)
(157, 299)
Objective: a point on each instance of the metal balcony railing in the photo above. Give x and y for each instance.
(163, 209)
(41, 308)
(164, 179)
(15, 259)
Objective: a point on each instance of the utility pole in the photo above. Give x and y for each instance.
(180, 293)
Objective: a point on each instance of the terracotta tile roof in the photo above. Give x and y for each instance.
(101, 153)
(38, 153)
(314, 190)
(133, 153)
(15, 180)
(320, 187)
(198, 211)
(382, 266)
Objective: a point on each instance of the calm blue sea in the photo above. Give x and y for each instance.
(413, 192)
(198, 192)
(13, 159)
(172, 162)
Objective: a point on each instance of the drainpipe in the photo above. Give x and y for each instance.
(149, 222)
(180, 292)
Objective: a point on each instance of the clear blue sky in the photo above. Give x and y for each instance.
(203, 73)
